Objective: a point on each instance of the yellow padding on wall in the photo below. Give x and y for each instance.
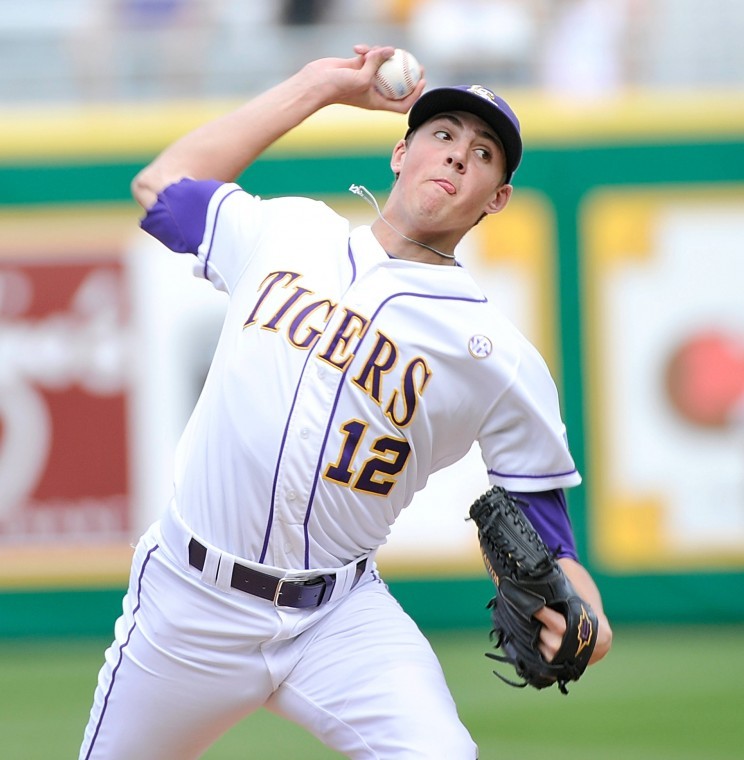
(142, 129)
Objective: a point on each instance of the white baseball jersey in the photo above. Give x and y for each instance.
(342, 379)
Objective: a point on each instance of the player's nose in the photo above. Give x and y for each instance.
(456, 160)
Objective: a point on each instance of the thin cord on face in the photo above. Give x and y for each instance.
(362, 192)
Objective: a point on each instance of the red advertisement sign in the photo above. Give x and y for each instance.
(64, 387)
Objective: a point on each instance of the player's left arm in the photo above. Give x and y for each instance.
(548, 512)
(554, 624)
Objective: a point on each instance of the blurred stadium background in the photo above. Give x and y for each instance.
(85, 50)
(621, 256)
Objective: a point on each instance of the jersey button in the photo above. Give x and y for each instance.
(291, 495)
(304, 433)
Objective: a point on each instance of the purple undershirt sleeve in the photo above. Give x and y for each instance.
(548, 513)
(177, 219)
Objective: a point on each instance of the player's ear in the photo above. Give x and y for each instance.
(398, 157)
(499, 201)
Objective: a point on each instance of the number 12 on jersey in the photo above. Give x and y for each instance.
(384, 460)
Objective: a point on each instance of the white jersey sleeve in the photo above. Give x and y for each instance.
(523, 438)
(232, 227)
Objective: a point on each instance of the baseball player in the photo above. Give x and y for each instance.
(352, 364)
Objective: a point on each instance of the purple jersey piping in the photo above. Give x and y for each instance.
(532, 477)
(270, 519)
(121, 650)
(214, 230)
(341, 386)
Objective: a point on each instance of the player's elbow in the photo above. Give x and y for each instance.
(144, 189)
(151, 181)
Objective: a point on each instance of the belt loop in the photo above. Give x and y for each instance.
(224, 572)
(211, 567)
(346, 579)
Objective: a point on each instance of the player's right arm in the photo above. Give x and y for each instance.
(222, 149)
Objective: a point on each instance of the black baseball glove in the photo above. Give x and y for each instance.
(528, 577)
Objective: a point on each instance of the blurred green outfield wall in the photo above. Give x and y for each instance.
(645, 205)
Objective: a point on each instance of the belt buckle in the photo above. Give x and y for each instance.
(278, 592)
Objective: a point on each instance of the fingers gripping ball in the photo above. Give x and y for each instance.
(398, 75)
(528, 577)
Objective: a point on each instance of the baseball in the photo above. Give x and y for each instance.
(398, 76)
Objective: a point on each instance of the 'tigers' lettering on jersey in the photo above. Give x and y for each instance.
(304, 321)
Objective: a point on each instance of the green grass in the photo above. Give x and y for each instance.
(662, 694)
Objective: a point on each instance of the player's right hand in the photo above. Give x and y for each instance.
(351, 81)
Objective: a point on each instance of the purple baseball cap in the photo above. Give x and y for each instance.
(482, 102)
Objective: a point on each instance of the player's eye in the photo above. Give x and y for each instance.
(442, 134)
(483, 153)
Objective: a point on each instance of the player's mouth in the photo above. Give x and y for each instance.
(446, 185)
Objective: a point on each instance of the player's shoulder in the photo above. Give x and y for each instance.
(217, 192)
(298, 215)
(297, 204)
(491, 315)
(510, 343)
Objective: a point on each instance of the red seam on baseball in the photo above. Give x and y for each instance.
(385, 85)
(407, 78)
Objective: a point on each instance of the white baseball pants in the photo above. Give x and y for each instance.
(189, 660)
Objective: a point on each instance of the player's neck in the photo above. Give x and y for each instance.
(400, 246)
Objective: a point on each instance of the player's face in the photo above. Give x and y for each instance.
(451, 171)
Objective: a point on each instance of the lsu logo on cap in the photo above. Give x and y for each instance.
(484, 92)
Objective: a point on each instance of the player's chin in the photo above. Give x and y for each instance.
(438, 203)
